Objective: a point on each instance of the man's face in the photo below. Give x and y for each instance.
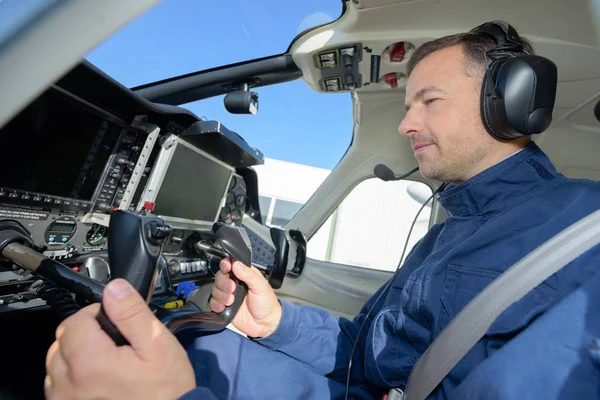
(443, 119)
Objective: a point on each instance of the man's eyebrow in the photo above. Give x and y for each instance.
(422, 93)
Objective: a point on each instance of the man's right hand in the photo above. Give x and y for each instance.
(260, 312)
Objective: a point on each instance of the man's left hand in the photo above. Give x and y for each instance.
(84, 362)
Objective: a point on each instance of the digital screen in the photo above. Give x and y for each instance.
(193, 187)
(53, 147)
(58, 227)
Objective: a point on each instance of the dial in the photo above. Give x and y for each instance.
(236, 216)
(96, 235)
(225, 213)
(230, 198)
(240, 201)
(233, 182)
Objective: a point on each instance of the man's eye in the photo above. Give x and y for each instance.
(428, 102)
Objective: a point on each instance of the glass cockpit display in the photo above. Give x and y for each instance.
(53, 153)
(194, 186)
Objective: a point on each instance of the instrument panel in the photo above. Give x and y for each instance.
(71, 164)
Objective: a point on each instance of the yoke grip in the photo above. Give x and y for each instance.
(134, 247)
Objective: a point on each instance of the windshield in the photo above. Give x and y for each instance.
(177, 37)
(303, 134)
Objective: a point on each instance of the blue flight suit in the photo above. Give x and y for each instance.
(495, 219)
(556, 357)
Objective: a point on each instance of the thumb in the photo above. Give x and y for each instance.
(131, 315)
(251, 276)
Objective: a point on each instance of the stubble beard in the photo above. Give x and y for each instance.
(454, 164)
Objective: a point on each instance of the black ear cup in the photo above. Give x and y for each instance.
(518, 90)
(518, 95)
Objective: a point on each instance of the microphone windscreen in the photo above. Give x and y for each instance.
(383, 172)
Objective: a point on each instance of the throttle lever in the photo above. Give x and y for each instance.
(134, 247)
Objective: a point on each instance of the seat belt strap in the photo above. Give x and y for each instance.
(474, 320)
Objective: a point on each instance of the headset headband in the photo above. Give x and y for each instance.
(506, 37)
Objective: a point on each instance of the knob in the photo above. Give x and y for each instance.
(124, 161)
(174, 267)
(105, 207)
(157, 233)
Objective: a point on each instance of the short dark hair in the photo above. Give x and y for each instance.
(474, 45)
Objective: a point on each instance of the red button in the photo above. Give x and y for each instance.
(398, 52)
(391, 79)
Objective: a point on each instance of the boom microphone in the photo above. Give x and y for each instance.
(384, 173)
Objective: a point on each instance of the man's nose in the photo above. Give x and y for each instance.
(410, 124)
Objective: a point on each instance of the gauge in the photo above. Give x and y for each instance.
(60, 231)
(230, 198)
(233, 182)
(96, 235)
(240, 201)
(236, 215)
(225, 213)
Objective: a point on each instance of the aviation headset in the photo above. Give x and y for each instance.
(518, 89)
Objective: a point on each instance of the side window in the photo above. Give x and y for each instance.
(283, 212)
(277, 212)
(369, 228)
(284, 187)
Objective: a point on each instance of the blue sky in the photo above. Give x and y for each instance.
(176, 37)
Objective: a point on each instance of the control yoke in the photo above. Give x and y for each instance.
(236, 243)
(134, 248)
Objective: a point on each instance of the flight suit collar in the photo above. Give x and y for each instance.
(507, 183)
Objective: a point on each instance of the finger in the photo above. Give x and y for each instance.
(57, 370)
(252, 277)
(51, 354)
(80, 337)
(224, 282)
(89, 311)
(222, 297)
(216, 306)
(48, 388)
(131, 315)
(225, 264)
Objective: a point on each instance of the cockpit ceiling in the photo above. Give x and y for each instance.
(564, 31)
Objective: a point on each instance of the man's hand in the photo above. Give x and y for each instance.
(260, 312)
(84, 363)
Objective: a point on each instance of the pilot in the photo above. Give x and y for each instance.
(504, 198)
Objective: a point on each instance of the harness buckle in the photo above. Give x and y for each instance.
(394, 394)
